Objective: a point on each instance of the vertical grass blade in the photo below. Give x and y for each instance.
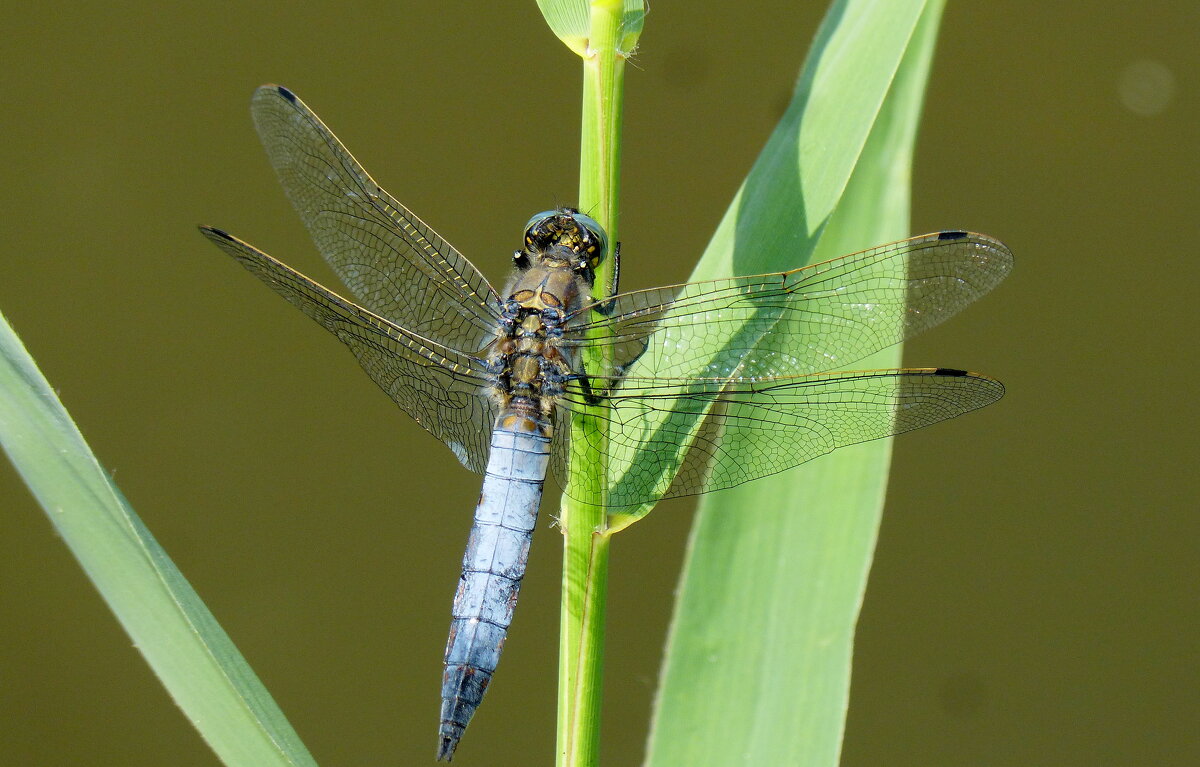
(602, 33)
(758, 659)
(168, 623)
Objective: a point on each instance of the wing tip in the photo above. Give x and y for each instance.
(995, 388)
(212, 231)
(952, 234)
(271, 89)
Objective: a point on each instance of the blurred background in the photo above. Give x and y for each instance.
(1034, 597)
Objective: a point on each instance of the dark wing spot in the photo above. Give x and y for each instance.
(217, 232)
(286, 93)
(954, 234)
(950, 372)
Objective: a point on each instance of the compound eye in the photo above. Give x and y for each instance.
(541, 230)
(592, 238)
(571, 229)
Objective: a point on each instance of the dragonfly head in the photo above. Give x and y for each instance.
(565, 232)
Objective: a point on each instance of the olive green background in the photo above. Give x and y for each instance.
(1034, 597)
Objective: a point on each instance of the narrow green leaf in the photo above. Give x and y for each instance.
(571, 22)
(758, 659)
(168, 623)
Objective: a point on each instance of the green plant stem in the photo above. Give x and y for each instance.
(585, 537)
(581, 658)
(600, 141)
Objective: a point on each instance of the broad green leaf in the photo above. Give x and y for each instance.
(758, 658)
(778, 217)
(168, 623)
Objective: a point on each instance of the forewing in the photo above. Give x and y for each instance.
(669, 438)
(811, 320)
(439, 387)
(395, 265)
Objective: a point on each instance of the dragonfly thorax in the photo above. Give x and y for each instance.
(556, 269)
(527, 364)
(548, 290)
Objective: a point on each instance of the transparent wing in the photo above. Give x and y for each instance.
(811, 320)
(393, 264)
(669, 438)
(439, 387)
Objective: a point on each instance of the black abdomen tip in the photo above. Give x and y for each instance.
(446, 749)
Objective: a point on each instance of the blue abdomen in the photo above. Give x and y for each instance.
(493, 566)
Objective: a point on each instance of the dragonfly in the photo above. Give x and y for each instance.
(707, 384)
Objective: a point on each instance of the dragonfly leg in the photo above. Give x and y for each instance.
(606, 307)
(589, 395)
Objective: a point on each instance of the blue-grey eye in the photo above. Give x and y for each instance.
(594, 228)
(538, 219)
(570, 228)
